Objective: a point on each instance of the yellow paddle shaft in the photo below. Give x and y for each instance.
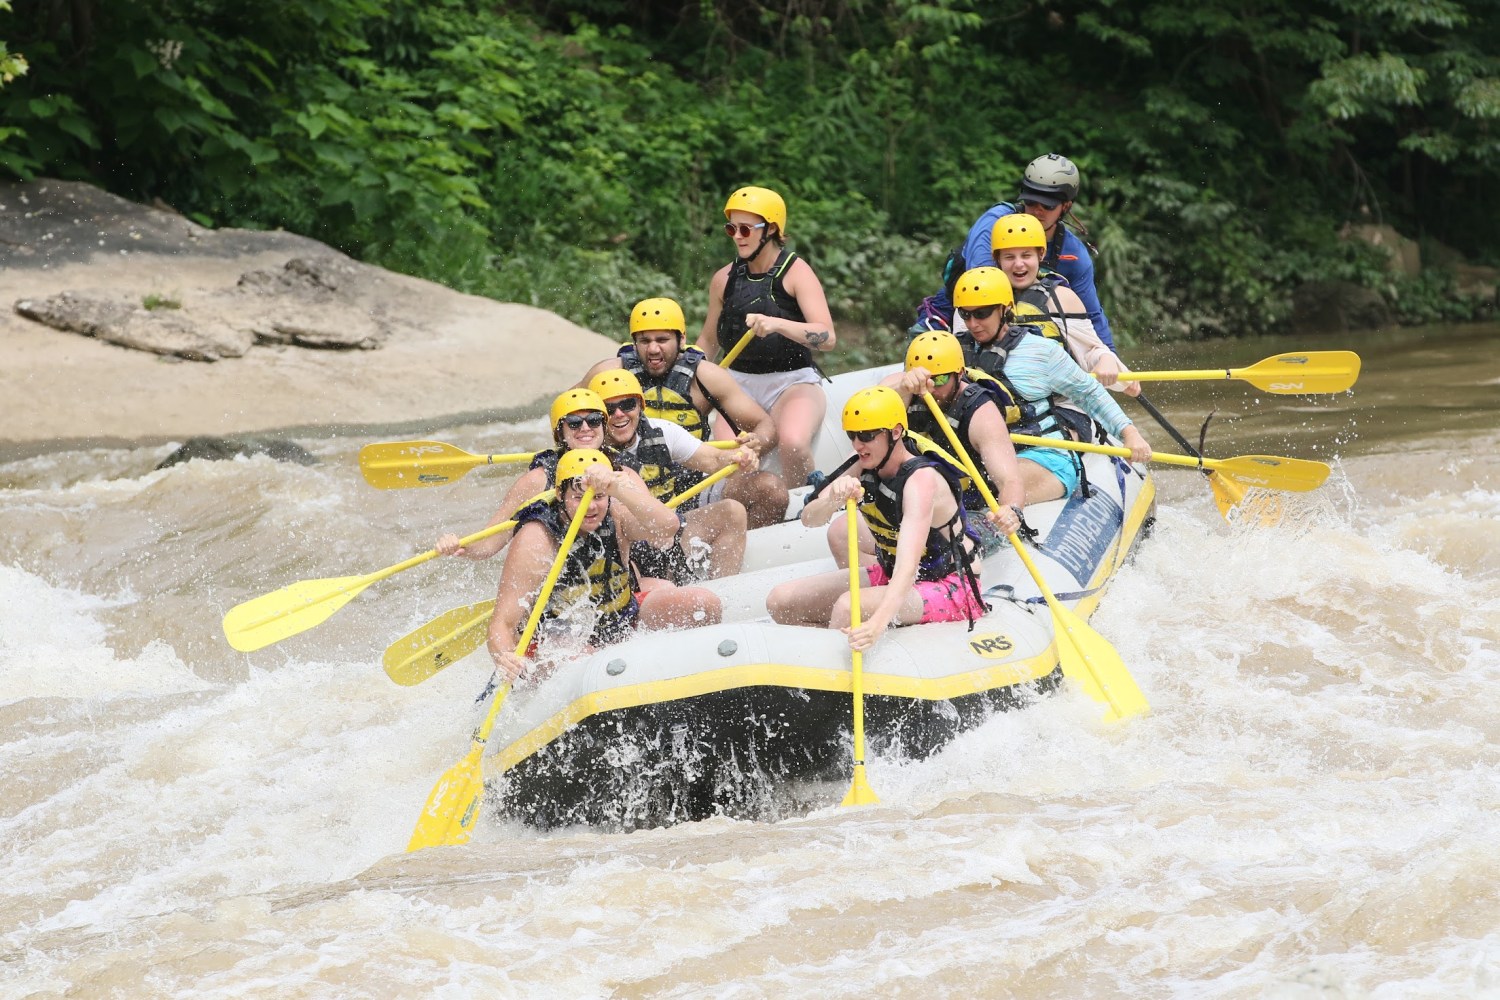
(1186, 461)
(735, 351)
(960, 451)
(860, 792)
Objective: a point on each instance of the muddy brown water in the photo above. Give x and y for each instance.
(1311, 809)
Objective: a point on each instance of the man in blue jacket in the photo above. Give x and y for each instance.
(1048, 190)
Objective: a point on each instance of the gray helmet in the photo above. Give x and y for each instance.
(1051, 180)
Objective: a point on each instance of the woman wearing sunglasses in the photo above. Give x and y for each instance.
(1037, 374)
(597, 596)
(924, 547)
(770, 291)
(577, 417)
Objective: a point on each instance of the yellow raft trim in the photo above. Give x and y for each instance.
(839, 680)
(836, 680)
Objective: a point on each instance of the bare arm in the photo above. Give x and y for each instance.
(817, 332)
(708, 337)
(641, 516)
(988, 435)
(820, 510)
(529, 485)
(529, 562)
(757, 429)
(917, 503)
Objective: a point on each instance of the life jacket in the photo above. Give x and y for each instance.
(746, 293)
(653, 460)
(593, 572)
(547, 460)
(950, 548)
(670, 397)
(924, 430)
(987, 365)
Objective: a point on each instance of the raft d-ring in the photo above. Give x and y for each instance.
(728, 647)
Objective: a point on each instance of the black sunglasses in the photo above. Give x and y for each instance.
(866, 437)
(984, 312)
(573, 421)
(626, 405)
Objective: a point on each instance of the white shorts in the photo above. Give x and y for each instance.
(767, 389)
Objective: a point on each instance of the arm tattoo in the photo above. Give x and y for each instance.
(817, 338)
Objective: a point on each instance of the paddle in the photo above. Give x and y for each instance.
(734, 351)
(1283, 374)
(1271, 472)
(400, 465)
(452, 806)
(295, 608)
(1087, 658)
(860, 793)
(1227, 493)
(455, 634)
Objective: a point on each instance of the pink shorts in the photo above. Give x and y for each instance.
(947, 600)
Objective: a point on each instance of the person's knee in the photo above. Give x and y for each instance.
(839, 617)
(782, 602)
(771, 491)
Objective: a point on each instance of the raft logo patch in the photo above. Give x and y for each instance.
(992, 647)
(1083, 532)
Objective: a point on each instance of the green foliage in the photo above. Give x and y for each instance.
(575, 154)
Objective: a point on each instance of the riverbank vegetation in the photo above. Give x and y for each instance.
(575, 154)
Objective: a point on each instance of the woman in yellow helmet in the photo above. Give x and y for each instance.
(772, 292)
(1043, 297)
(596, 598)
(578, 417)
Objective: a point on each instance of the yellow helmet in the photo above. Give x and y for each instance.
(983, 286)
(615, 382)
(1015, 231)
(657, 314)
(575, 463)
(759, 201)
(574, 400)
(876, 408)
(936, 350)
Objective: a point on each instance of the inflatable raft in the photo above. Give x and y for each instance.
(751, 718)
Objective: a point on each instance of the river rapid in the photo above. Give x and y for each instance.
(1311, 809)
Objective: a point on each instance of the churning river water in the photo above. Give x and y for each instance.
(1312, 809)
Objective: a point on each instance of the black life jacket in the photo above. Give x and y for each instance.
(971, 398)
(592, 572)
(746, 293)
(987, 362)
(653, 460)
(670, 397)
(949, 548)
(1040, 306)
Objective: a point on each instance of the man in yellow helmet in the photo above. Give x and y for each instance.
(597, 598)
(682, 387)
(924, 549)
(1036, 374)
(976, 411)
(711, 539)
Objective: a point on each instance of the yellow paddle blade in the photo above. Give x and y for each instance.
(1304, 373)
(272, 617)
(1091, 661)
(1271, 472)
(446, 639)
(400, 465)
(453, 805)
(1227, 492)
(860, 793)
